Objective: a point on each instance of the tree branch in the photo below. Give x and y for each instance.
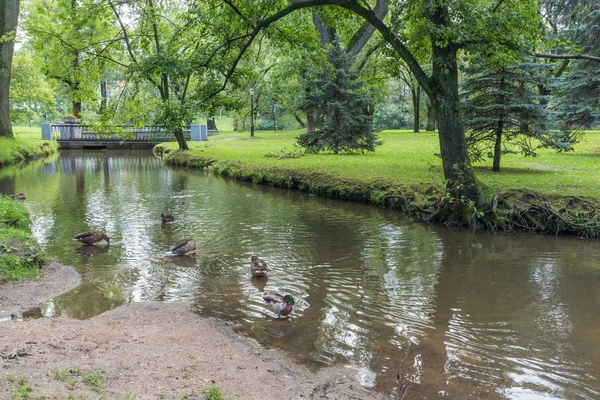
(362, 36)
(566, 56)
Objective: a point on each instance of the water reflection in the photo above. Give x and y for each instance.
(452, 312)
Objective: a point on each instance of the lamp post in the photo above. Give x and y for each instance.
(251, 112)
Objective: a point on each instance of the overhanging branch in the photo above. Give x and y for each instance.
(566, 56)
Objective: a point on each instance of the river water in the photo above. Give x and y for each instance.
(451, 312)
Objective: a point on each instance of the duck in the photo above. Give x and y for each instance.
(258, 267)
(91, 237)
(182, 247)
(281, 305)
(167, 218)
(19, 196)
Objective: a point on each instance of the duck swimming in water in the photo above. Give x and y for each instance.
(258, 267)
(281, 305)
(182, 247)
(167, 218)
(91, 237)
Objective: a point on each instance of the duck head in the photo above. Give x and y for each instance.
(288, 299)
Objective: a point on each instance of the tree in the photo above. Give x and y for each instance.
(72, 38)
(343, 120)
(501, 107)
(30, 92)
(578, 92)
(9, 15)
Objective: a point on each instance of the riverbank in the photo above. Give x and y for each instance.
(27, 145)
(556, 194)
(154, 350)
(20, 255)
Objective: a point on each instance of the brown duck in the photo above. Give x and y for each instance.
(182, 247)
(91, 237)
(167, 218)
(258, 267)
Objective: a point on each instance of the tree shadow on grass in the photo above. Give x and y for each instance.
(542, 170)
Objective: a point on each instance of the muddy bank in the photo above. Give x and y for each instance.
(155, 350)
(511, 211)
(55, 279)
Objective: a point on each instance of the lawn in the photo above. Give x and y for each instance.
(28, 144)
(409, 159)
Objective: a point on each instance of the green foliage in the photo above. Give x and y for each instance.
(577, 100)
(67, 36)
(30, 92)
(343, 118)
(20, 255)
(21, 149)
(270, 125)
(94, 379)
(502, 109)
(215, 393)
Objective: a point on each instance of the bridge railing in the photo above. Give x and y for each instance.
(86, 133)
(77, 132)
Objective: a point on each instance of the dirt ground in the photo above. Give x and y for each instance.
(145, 351)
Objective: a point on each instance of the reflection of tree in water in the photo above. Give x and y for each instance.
(87, 300)
(499, 306)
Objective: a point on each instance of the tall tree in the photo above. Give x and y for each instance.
(9, 16)
(343, 120)
(30, 92)
(72, 38)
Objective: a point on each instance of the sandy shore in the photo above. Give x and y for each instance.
(146, 351)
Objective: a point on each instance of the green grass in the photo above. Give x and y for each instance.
(26, 145)
(20, 255)
(214, 393)
(408, 159)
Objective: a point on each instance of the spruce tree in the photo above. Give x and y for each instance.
(577, 99)
(502, 113)
(343, 121)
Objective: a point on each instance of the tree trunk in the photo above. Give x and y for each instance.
(211, 125)
(462, 183)
(76, 108)
(430, 118)
(103, 97)
(498, 145)
(311, 120)
(181, 139)
(302, 124)
(416, 98)
(9, 15)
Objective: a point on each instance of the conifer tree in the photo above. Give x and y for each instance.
(502, 112)
(577, 99)
(343, 120)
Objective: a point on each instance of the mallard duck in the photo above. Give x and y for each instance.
(91, 237)
(258, 267)
(19, 196)
(167, 218)
(281, 305)
(182, 247)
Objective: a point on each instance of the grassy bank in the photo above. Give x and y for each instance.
(556, 192)
(27, 145)
(20, 255)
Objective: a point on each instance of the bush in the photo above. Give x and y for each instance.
(269, 125)
(20, 254)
